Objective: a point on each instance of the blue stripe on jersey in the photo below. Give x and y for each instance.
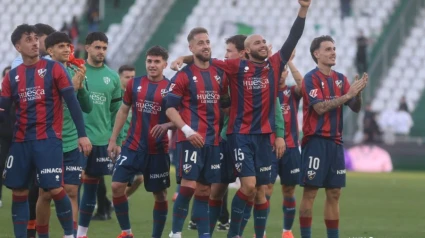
(257, 100)
(294, 121)
(210, 136)
(30, 130)
(193, 107)
(333, 113)
(147, 117)
(341, 124)
(320, 118)
(49, 102)
(240, 97)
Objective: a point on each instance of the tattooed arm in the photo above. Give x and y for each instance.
(327, 106)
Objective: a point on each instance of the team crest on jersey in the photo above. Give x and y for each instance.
(285, 108)
(311, 174)
(238, 167)
(313, 93)
(338, 83)
(41, 72)
(106, 80)
(139, 89)
(163, 92)
(287, 92)
(218, 78)
(187, 168)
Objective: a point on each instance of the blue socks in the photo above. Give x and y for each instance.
(20, 215)
(88, 201)
(260, 218)
(246, 216)
(64, 212)
(238, 206)
(215, 210)
(201, 215)
(332, 228)
(181, 207)
(288, 208)
(121, 211)
(160, 212)
(305, 227)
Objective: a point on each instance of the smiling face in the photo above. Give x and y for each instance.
(155, 65)
(60, 52)
(200, 47)
(256, 48)
(326, 54)
(28, 45)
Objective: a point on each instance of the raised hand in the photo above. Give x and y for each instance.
(79, 77)
(177, 64)
(304, 3)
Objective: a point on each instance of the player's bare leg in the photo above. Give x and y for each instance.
(332, 211)
(243, 196)
(215, 202)
(289, 204)
(261, 211)
(181, 206)
(43, 213)
(20, 211)
(160, 212)
(306, 210)
(134, 185)
(72, 192)
(120, 202)
(87, 204)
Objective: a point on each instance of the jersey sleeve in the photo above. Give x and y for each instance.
(128, 94)
(230, 66)
(61, 77)
(312, 90)
(177, 89)
(5, 87)
(224, 94)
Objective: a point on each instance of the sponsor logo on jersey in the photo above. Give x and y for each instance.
(313, 93)
(195, 79)
(295, 171)
(148, 106)
(158, 176)
(311, 174)
(215, 166)
(106, 80)
(17, 78)
(31, 94)
(73, 168)
(246, 69)
(208, 96)
(265, 169)
(139, 89)
(341, 171)
(187, 168)
(42, 72)
(256, 83)
(103, 160)
(98, 98)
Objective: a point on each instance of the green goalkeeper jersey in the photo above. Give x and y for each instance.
(105, 92)
(69, 134)
(280, 123)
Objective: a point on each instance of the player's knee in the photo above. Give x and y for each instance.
(118, 189)
(218, 191)
(310, 193)
(288, 191)
(72, 191)
(269, 190)
(46, 196)
(202, 190)
(138, 180)
(20, 192)
(160, 196)
(332, 195)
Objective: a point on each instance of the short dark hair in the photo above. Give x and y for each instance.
(56, 38)
(238, 41)
(5, 69)
(158, 51)
(126, 68)
(315, 44)
(20, 30)
(96, 36)
(44, 29)
(195, 31)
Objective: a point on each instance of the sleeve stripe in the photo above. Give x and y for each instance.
(116, 100)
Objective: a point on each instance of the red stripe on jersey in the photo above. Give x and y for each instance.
(266, 104)
(155, 119)
(23, 105)
(57, 123)
(139, 117)
(41, 111)
(247, 104)
(202, 108)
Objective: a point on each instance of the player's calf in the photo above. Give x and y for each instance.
(215, 203)
(306, 210)
(63, 210)
(289, 209)
(332, 211)
(160, 212)
(72, 192)
(43, 213)
(119, 199)
(200, 208)
(260, 211)
(20, 211)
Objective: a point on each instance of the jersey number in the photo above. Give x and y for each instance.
(9, 162)
(124, 158)
(314, 163)
(192, 157)
(221, 156)
(239, 155)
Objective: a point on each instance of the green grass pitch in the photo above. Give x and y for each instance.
(373, 205)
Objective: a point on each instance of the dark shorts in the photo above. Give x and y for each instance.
(288, 168)
(199, 164)
(98, 162)
(45, 157)
(252, 155)
(175, 163)
(227, 166)
(322, 164)
(154, 167)
(73, 162)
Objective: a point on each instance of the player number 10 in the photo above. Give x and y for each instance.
(192, 157)
(314, 163)
(239, 154)
(9, 162)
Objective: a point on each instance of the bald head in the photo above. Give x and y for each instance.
(256, 48)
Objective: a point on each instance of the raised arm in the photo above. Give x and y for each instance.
(356, 104)
(296, 31)
(297, 77)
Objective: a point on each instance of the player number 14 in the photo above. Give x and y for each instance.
(314, 163)
(192, 157)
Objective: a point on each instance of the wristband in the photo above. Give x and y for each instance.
(188, 131)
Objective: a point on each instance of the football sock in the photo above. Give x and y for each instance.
(238, 206)
(215, 210)
(200, 215)
(288, 208)
(260, 218)
(246, 216)
(305, 227)
(332, 228)
(64, 212)
(87, 204)
(43, 231)
(20, 215)
(181, 207)
(160, 212)
(121, 211)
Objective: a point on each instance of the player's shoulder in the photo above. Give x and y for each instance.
(338, 74)
(312, 73)
(111, 72)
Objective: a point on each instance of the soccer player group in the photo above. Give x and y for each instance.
(76, 143)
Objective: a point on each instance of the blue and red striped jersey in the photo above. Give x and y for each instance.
(318, 87)
(36, 92)
(289, 102)
(253, 89)
(199, 91)
(147, 101)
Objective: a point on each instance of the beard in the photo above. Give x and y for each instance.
(97, 59)
(256, 55)
(202, 58)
